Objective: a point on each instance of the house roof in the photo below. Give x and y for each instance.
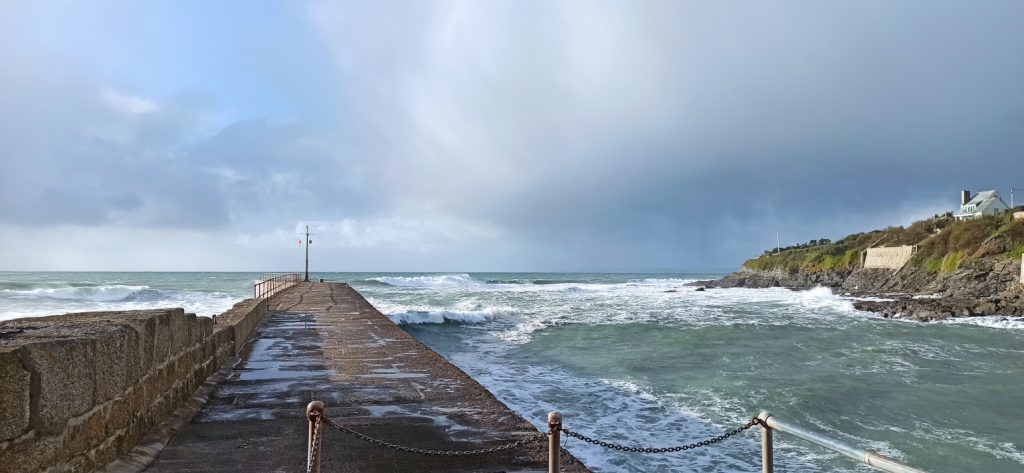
(982, 201)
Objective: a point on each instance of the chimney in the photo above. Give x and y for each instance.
(965, 197)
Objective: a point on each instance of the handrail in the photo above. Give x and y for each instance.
(315, 414)
(770, 423)
(272, 283)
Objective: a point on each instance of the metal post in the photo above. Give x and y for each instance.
(554, 451)
(767, 449)
(307, 254)
(859, 454)
(314, 411)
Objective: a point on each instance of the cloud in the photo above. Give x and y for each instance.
(615, 135)
(128, 104)
(387, 233)
(508, 135)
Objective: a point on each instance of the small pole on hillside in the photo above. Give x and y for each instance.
(778, 246)
(307, 253)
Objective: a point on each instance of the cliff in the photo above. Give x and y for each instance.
(967, 268)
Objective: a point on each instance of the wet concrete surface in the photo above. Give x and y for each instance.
(323, 341)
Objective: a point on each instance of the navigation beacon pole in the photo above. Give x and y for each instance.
(307, 253)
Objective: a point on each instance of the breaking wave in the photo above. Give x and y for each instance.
(994, 321)
(114, 293)
(440, 280)
(466, 312)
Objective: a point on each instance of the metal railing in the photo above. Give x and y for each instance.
(271, 283)
(770, 423)
(317, 417)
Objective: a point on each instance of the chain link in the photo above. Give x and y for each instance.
(314, 449)
(702, 443)
(448, 453)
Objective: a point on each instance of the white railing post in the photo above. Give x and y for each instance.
(767, 453)
(314, 412)
(554, 451)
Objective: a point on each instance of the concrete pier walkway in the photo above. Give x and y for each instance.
(323, 341)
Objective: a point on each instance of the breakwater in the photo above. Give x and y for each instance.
(91, 392)
(324, 341)
(77, 391)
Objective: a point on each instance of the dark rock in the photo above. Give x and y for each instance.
(981, 286)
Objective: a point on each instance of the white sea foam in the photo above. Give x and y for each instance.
(621, 411)
(117, 292)
(822, 298)
(665, 281)
(41, 302)
(450, 315)
(466, 311)
(995, 321)
(440, 280)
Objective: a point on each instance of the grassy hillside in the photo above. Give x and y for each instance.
(943, 245)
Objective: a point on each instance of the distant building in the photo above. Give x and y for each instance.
(984, 203)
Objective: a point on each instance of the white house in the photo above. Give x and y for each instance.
(984, 203)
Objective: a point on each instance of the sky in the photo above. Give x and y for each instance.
(491, 136)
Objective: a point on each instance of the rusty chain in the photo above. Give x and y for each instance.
(570, 433)
(703, 443)
(314, 448)
(423, 451)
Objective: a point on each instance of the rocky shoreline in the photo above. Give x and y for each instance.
(983, 287)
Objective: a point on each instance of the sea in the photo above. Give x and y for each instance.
(647, 360)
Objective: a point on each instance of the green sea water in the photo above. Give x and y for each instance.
(645, 360)
(626, 360)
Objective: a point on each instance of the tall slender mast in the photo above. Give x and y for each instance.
(307, 254)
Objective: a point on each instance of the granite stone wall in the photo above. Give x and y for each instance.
(888, 257)
(79, 390)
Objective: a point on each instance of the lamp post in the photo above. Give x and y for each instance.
(306, 279)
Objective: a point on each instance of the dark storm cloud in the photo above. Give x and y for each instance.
(541, 135)
(669, 134)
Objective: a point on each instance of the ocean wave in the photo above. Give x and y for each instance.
(821, 297)
(451, 315)
(440, 280)
(112, 293)
(666, 281)
(632, 413)
(557, 281)
(994, 321)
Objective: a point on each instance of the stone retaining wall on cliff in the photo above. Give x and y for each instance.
(77, 391)
(888, 257)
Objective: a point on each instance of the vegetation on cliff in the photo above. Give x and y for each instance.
(943, 246)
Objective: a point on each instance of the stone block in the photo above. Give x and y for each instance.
(116, 445)
(121, 413)
(65, 369)
(146, 329)
(15, 389)
(118, 362)
(32, 454)
(205, 329)
(161, 338)
(85, 432)
(179, 326)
